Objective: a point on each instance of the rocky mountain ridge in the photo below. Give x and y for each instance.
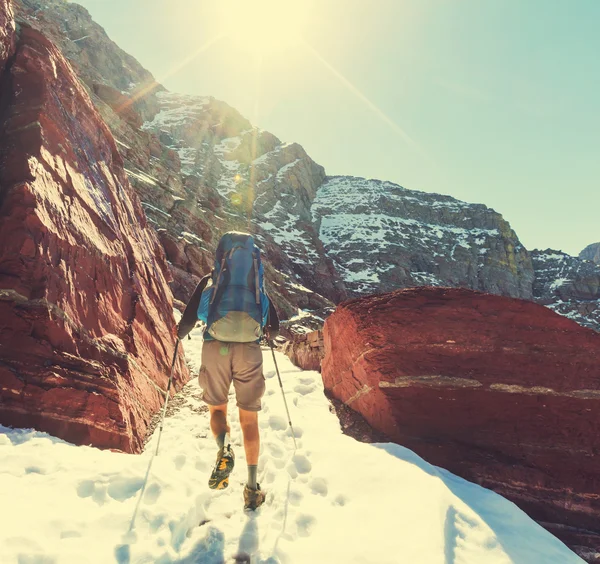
(382, 236)
(201, 168)
(591, 252)
(568, 285)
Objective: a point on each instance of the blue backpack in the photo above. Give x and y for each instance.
(234, 305)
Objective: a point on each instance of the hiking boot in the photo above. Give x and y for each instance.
(253, 498)
(219, 479)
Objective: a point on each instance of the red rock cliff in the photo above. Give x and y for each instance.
(86, 323)
(501, 391)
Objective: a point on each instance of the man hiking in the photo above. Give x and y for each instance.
(237, 312)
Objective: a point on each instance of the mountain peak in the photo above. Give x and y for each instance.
(591, 252)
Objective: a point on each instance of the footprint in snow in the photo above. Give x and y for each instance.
(269, 374)
(277, 423)
(85, 488)
(303, 389)
(275, 450)
(318, 486)
(179, 461)
(295, 497)
(302, 464)
(120, 488)
(306, 380)
(305, 524)
(278, 463)
(93, 489)
(152, 494)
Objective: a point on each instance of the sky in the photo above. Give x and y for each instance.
(490, 101)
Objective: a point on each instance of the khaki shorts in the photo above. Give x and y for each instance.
(223, 363)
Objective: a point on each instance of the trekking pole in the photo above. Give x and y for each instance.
(283, 393)
(164, 412)
(162, 419)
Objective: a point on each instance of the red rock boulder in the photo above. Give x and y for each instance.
(500, 391)
(306, 350)
(87, 332)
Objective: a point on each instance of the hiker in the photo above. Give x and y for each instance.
(237, 312)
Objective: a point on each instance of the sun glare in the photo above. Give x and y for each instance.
(264, 26)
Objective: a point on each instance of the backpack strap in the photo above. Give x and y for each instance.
(223, 261)
(214, 294)
(256, 280)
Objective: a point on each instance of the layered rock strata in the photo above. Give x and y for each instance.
(503, 392)
(86, 322)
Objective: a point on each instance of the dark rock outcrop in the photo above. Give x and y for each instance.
(568, 285)
(382, 237)
(86, 321)
(503, 392)
(591, 252)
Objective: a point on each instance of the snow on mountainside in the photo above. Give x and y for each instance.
(382, 236)
(262, 178)
(568, 285)
(201, 168)
(74, 504)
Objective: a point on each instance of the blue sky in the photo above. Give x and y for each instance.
(490, 101)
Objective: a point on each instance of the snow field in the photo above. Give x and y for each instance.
(333, 500)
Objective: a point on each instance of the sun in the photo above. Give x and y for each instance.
(263, 27)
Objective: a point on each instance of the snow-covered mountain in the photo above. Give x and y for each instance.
(202, 168)
(383, 237)
(75, 504)
(569, 285)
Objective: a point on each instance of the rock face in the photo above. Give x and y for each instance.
(201, 168)
(7, 32)
(240, 177)
(503, 392)
(568, 285)
(591, 252)
(383, 237)
(306, 351)
(86, 321)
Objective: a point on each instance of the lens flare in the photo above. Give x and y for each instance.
(264, 26)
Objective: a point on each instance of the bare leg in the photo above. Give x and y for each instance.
(218, 420)
(249, 424)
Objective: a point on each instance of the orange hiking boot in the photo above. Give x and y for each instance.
(219, 479)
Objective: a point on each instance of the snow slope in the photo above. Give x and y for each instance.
(334, 500)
